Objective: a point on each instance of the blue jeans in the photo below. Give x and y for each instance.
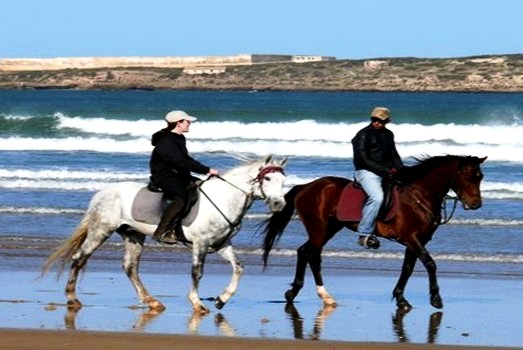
(371, 184)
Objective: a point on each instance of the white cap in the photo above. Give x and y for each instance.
(175, 116)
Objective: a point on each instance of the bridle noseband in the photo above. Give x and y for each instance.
(261, 176)
(248, 196)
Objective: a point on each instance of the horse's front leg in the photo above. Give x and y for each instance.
(409, 261)
(430, 266)
(198, 259)
(315, 265)
(228, 254)
(133, 242)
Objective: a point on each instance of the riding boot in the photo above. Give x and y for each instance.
(369, 241)
(165, 231)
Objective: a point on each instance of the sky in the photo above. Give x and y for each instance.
(345, 29)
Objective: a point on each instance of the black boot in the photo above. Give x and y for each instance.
(164, 232)
(369, 241)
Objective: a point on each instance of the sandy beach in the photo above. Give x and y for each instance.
(478, 312)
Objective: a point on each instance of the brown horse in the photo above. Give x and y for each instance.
(422, 189)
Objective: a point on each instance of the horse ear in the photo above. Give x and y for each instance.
(283, 161)
(268, 159)
(481, 160)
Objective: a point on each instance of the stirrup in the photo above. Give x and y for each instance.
(369, 241)
(168, 237)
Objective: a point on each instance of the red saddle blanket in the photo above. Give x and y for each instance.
(352, 200)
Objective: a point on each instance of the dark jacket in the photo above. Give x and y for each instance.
(170, 157)
(375, 150)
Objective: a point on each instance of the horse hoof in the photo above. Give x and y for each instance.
(436, 302)
(289, 296)
(218, 303)
(74, 304)
(404, 305)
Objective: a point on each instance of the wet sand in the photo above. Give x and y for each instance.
(485, 312)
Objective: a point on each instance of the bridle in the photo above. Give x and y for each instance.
(248, 197)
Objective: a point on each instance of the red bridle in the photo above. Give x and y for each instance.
(267, 170)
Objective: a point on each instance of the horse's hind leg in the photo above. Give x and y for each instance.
(315, 264)
(133, 242)
(237, 271)
(94, 239)
(303, 256)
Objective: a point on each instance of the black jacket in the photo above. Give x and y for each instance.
(375, 150)
(170, 157)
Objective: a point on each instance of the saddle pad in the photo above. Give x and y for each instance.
(352, 200)
(147, 206)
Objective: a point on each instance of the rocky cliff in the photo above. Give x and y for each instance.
(503, 73)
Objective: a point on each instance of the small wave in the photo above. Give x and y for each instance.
(40, 211)
(478, 258)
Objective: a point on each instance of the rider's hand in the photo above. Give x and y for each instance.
(213, 171)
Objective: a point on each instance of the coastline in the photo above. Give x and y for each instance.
(487, 73)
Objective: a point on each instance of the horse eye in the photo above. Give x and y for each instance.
(266, 178)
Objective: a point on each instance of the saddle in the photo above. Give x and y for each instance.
(353, 198)
(150, 202)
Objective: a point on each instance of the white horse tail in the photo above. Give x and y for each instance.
(66, 251)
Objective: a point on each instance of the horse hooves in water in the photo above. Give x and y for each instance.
(436, 301)
(403, 305)
(218, 303)
(74, 304)
(289, 296)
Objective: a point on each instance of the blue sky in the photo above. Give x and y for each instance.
(341, 28)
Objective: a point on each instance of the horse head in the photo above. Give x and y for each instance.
(467, 182)
(269, 183)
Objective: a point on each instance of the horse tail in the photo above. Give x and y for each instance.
(275, 225)
(66, 251)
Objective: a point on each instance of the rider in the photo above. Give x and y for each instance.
(375, 158)
(171, 167)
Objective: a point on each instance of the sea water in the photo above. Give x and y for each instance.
(58, 147)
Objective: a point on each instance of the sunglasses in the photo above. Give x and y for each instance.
(378, 120)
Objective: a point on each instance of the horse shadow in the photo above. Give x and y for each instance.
(297, 321)
(144, 318)
(397, 324)
(399, 327)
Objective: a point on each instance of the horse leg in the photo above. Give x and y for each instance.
(299, 276)
(237, 271)
(95, 238)
(315, 265)
(198, 256)
(133, 242)
(409, 261)
(430, 266)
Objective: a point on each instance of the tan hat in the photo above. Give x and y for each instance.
(175, 116)
(381, 113)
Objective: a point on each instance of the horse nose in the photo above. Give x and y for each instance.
(277, 204)
(473, 206)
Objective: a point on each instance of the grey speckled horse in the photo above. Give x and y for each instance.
(209, 227)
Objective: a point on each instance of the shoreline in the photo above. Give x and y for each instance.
(84, 340)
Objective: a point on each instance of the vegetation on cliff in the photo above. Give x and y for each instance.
(480, 73)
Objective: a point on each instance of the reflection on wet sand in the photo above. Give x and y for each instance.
(193, 323)
(297, 321)
(399, 327)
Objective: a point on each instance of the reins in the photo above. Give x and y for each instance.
(248, 197)
(444, 219)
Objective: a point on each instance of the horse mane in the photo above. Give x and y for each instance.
(425, 164)
(246, 167)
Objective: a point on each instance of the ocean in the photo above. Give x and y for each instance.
(58, 147)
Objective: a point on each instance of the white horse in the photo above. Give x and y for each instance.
(209, 227)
